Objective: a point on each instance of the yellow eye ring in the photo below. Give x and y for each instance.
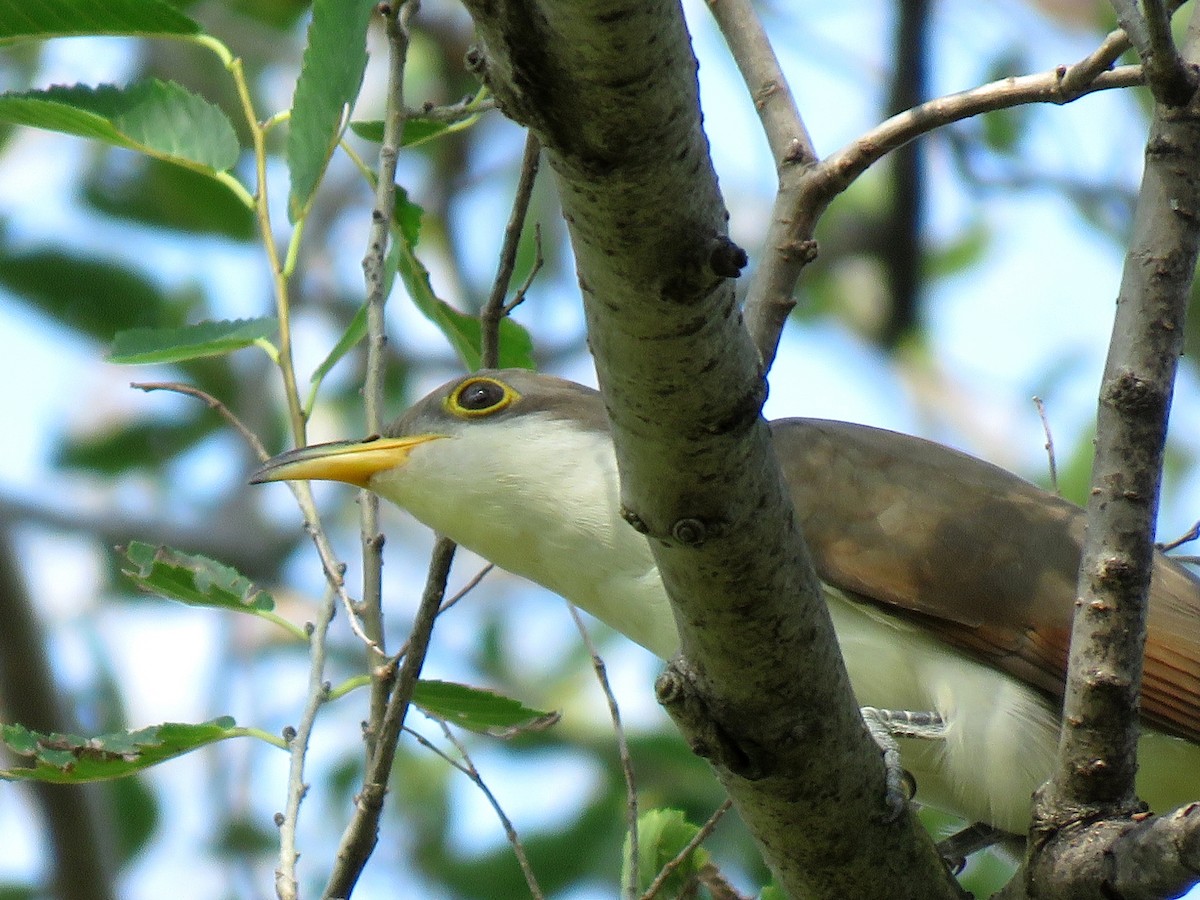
(479, 396)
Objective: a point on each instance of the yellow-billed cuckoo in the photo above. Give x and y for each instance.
(951, 582)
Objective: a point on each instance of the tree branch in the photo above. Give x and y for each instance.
(610, 89)
(805, 193)
(1097, 751)
(374, 265)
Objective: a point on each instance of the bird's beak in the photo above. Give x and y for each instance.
(353, 462)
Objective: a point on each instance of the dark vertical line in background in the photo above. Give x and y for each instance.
(900, 249)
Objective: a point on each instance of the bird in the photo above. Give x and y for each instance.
(950, 581)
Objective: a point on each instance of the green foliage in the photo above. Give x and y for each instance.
(159, 118)
(91, 295)
(464, 332)
(330, 77)
(478, 710)
(160, 195)
(144, 444)
(169, 345)
(355, 332)
(662, 835)
(417, 130)
(70, 759)
(39, 19)
(199, 581)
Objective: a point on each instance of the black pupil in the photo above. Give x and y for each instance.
(480, 395)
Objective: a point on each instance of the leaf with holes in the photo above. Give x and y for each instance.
(70, 759)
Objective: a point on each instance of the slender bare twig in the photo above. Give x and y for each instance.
(494, 310)
(467, 767)
(1049, 445)
(374, 268)
(681, 857)
(751, 50)
(538, 262)
(614, 712)
(359, 837)
(1186, 538)
(452, 112)
(213, 403)
(462, 592)
(318, 691)
(1099, 60)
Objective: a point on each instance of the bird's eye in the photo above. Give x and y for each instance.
(480, 397)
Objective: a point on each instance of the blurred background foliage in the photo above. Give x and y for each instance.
(973, 269)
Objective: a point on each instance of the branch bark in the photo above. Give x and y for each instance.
(1097, 754)
(610, 89)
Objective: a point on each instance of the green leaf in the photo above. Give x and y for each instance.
(136, 445)
(662, 835)
(355, 332)
(199, 581)
(69, 759)
(38, 19)
(162, 195)
(417, 130)
(167, 345)
(159, 118)
(330, 76)
(478, 710)
(464, 332)
(94, 296)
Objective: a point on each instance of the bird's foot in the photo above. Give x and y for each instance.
(885, 725)
(955, 849)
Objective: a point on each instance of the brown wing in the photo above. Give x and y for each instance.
(982, 557)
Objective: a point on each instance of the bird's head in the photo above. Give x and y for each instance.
(518, 467)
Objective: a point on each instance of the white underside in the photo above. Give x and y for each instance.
(569, 537)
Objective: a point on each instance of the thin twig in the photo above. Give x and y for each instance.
(374, 266)
(493, 311)
(1186, 538)
(1049, 445)
(1099, 60)
(1133, 24)
(318, 692)
(462, 592)
(538, 262)
(213, 403)
(358, 839)
(681, 857)
(453, 112)
(614, 711)
(467, 767)
(777, 111)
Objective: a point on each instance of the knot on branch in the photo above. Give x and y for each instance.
(726, 258)
(679, 694)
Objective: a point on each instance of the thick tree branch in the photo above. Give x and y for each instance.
(610, 89)
(1097, 753)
